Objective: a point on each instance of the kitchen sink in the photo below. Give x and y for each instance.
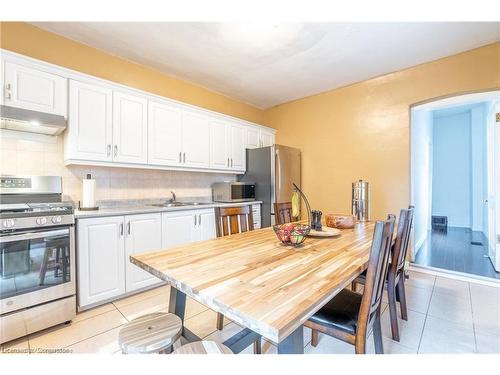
(179, 204)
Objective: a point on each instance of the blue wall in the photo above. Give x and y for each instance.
(452, 167)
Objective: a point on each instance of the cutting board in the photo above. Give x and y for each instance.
(326, 232)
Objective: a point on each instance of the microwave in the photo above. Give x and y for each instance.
(233, 192)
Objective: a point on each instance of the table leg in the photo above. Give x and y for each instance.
(177, 306)
(294, 343)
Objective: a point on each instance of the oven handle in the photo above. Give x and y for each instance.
(33, 235)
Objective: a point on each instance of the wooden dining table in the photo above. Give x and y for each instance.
(259, 283)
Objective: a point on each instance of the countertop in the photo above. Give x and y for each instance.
(145, 208)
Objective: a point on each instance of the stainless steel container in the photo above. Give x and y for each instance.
(361, 200)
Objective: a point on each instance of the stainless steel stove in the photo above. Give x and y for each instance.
(37, 255)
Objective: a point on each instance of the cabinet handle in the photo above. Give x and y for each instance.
(108, 152)
(194, 220)
(228, 162)
(184, 157)
(8, 94)
(116, 150)
(231, 162)
(128, 228)
(121, 229)
(199, 219)
(180, 157)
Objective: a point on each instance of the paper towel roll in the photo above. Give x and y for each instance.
(88, 198)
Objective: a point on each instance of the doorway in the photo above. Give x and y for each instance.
(455, 178)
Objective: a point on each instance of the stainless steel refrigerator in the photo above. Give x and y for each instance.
(273, 170)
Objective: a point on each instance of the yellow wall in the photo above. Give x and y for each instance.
(362, 130)
(32, 41)
(358, 131)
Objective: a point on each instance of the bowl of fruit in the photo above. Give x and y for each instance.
(292, 233)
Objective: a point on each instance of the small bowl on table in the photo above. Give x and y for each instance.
(340, 221)
(292, 233)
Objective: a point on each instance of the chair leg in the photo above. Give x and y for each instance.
(377, 334)
(257, 346)
(220, 321)
(391, 294)
(402, 299)
(43, 268)
(360, 345)
(314, 337)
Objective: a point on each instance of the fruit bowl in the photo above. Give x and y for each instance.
(292, 233)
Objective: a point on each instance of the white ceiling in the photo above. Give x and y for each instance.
(269, 64)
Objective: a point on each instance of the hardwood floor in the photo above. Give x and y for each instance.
(457, 249)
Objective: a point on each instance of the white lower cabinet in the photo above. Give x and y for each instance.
(101, 259)
(142, 233)
(182, 227)
(103, 248)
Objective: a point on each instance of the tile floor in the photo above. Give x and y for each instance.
(446, 316)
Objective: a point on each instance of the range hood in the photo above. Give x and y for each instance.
(25, 120)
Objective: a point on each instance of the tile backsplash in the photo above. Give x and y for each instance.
(40, 155)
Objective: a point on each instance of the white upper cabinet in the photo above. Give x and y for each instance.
(266, 139)
(164, 134)
(90, 122)
(130, 128)
(219, 145)
(113, 125)
(142, 233)
(195, 139)
(227, 142)
(256, 138)
(35, 90)
(238, 152)
(253, 138)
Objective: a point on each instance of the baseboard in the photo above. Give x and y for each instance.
(455, 275)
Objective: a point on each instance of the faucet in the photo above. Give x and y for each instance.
(174, 198)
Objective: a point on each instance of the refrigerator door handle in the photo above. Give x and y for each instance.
(278, 171)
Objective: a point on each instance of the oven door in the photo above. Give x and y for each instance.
(36, 266)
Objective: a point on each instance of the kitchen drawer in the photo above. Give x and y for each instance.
(34, 319)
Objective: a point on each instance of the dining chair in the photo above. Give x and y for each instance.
(283, 213)
(349, 315)
(396, 275)
(233, 220)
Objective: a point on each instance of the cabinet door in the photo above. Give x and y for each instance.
(89, 123)
(130, 128)
(101, 255)
(205, 226)
(178, 228)
(238, 151)
(266, 139)
(253, 138)
(195, 140)
(34, 90)
(219, 145)
(164, 134)
(142, 233)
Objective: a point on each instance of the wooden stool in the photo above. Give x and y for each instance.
(151, 333)
(203, 347)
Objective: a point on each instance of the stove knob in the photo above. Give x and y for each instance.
(41, 221)
(9, 223)
(56, 219)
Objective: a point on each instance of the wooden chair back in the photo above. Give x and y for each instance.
(376, 273)
(283, 213)
(402, 241)
(232, 220)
